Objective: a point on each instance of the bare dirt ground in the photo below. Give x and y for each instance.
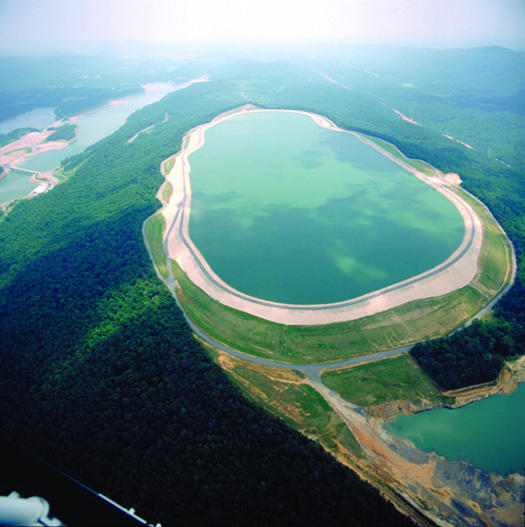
(458, 141)
(456, 272)
(451, 493)
(14, 153)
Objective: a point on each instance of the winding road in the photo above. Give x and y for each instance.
(312, 371)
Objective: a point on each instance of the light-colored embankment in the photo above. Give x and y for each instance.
(456, 272)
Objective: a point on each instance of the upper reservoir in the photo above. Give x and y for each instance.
(288, 211)
(488, 433)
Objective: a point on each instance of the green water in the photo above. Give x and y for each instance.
(489, 433)
(287, 211)
(15, 185)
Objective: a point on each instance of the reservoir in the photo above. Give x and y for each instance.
(94, 126)
(37, 118)
(488, 433)
(14, 185)
(285, 210)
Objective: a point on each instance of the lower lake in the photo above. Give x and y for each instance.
(489, 433)
(92, 127)
(97, 124)
(288, 211)
(14, 185)
(36, 118)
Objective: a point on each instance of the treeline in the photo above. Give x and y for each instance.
(474, 355)
(14, 135)
(101, 376)
(72, 83)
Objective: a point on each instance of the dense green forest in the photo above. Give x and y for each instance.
(100, 374)
(474, 355)
(102, 377)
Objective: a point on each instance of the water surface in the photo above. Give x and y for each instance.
(489, 433)
(285, 210)
(14, 185)
(95, 125)
(37, 118)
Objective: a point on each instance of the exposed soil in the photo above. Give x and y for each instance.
(14, 153)
(449, 492)
(453, 178)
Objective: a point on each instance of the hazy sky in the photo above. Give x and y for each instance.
(435, 23)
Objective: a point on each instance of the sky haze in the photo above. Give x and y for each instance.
(430, 23)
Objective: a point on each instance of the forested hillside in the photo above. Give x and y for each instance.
(102, 377)
(72, 83)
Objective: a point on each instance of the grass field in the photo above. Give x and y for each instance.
(384, 381)
(167, 190)
(154, 229)
(168, 165)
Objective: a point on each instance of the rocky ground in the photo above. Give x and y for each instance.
(450, 492)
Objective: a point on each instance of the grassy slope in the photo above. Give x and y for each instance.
(384, 381)
(154, 229)
(285, 394)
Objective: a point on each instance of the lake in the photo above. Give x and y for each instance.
(287, 211)
(489, 433)
(94, 126)
(14, 185)
(37, 118)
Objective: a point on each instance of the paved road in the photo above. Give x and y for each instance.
(303, 368)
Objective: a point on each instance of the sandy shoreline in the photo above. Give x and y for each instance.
(456, 272)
